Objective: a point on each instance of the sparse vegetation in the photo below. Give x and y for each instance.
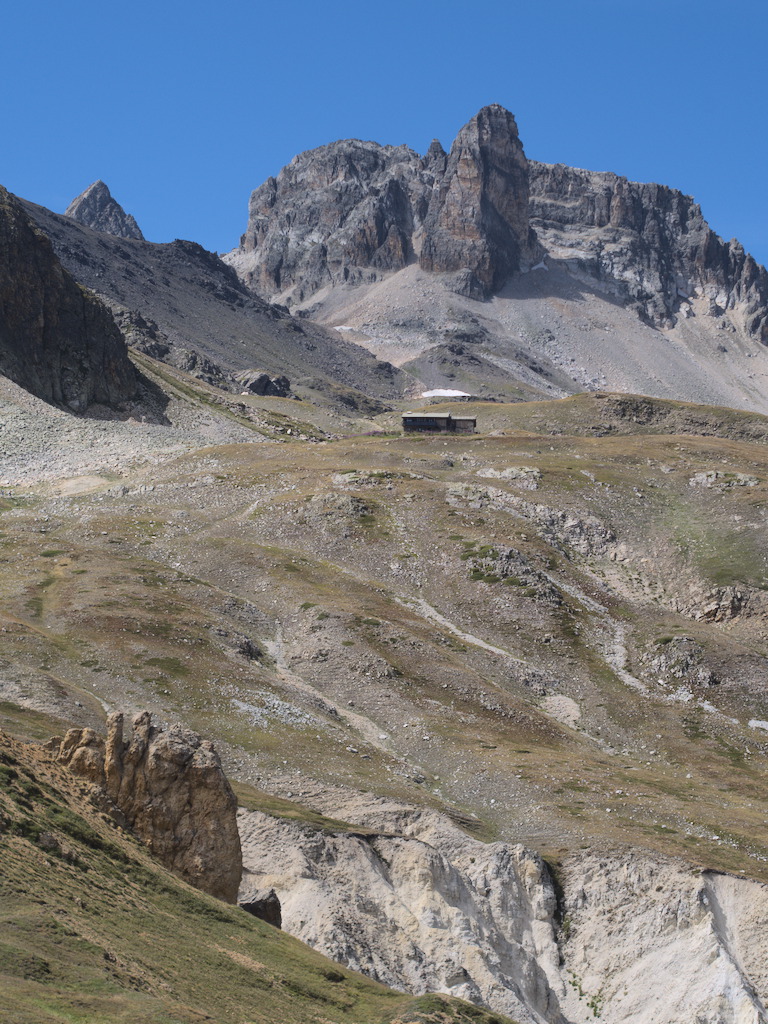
(457, 626)
(118, 937)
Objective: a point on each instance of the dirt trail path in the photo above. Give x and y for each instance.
(366, 729)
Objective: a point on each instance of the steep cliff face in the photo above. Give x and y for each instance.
(630, 937)
(647, 243)
(477, 222)
(56, 339)
(96, 208)
(347, 212)
(651, 939)
(336, 214)
(171, 790)
(439, 914)
(352, 211)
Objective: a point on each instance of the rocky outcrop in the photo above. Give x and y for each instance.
(679, 661)
(95, 208)
(57, 339)
(265, 905)
(257, 382)
(630, 937)
(722, 604)
(351, 211)
(477, 222)
(338, 214)
(170, 789)
(452, 915)
(646, 243)
(566, 530)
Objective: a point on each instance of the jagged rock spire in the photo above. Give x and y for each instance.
(478, 217)
(352, 211)
(95, 208)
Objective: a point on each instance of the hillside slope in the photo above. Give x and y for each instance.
(552, 634)
(94, 929)
(177, 301)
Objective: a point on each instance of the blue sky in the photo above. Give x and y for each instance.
(184, 107)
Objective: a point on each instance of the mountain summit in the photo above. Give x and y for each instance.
(95, 208)
(483, 270)
(477, 222)
(352, 212)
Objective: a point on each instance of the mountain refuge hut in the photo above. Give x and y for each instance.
(438, 423)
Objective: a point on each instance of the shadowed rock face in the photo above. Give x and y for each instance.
(95, 208)
(352, 211)
(56, 339)
(171, 790)
(265, 905)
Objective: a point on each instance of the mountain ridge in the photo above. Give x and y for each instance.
(469, 214)
(181, 303)
(484, 271)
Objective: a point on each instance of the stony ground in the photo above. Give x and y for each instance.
(547, 331)
(553, 633)
(514, 627)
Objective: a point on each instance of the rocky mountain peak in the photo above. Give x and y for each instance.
(352, 213)
(436, 158)
(330, 216)
(95, 208)
(477, 224)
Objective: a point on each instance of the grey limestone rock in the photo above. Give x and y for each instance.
(352, 211)
(648, 243)
(264, 904)
(477, 223)
(95, 208)
(337, 214)
(257, 382)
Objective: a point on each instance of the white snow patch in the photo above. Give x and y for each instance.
(344, 327)
(443, 392)
(757, 723)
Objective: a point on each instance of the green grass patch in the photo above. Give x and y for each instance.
(171, 666)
